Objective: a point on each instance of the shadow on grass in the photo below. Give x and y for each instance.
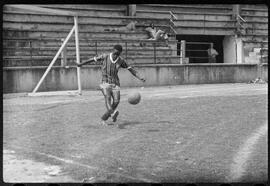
(132, 123)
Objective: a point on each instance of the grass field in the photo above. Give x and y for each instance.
(188, 133)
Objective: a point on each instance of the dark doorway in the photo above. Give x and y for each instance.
(193, 50)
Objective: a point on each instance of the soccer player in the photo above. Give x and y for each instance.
(110, 84)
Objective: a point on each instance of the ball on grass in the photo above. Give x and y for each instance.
(134, 98)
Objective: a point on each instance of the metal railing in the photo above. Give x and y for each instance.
(157, 50)
(241, 29)
(172, 19)
(240, 26)
(134, 51)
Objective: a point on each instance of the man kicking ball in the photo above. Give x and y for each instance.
(110, 84)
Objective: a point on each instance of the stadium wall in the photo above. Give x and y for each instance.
(24, 79)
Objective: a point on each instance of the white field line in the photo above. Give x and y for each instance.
(201, 88)
(152, 93)
(239, 164)
(54, 101)
(88, 166)
(206, 87)
(180, 94)
(67, 161)
(92, 167)
(60, 101)
(203, 91)
(193, 96)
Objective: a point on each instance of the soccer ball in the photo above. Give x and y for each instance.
(134, 98)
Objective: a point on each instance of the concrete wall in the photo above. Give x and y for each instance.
(18, 79)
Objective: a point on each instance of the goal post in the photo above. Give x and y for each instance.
(77, 53)
(54, 59)
(75, 30)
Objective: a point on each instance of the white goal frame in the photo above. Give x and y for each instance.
(75, 29)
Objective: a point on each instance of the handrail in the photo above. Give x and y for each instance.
(125, 40)
(172, 15)
(206, 43)
(174, 31)
(240, 28)
(172, 18)
(153, 50)
(47, 10)
(241, 18)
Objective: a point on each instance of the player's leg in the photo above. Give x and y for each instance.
(116, 97)
(107, 114)
(116, 101)
(107, 92)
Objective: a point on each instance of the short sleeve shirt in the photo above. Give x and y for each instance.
(110, 68)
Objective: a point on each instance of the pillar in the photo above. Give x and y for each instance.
(239, 50)
(183, 52)
(132, 10)
(236, 10)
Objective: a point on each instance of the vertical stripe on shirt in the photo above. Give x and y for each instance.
(111, 71)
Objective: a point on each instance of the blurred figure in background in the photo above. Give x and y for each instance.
(212, 53)
(156, 35)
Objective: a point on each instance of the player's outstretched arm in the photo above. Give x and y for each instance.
(85, 62)
(136, 74)
(90, 60)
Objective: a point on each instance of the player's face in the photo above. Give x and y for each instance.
(116, 53)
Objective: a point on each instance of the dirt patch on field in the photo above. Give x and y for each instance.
(17, 170)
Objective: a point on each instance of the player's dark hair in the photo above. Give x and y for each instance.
(118, 47)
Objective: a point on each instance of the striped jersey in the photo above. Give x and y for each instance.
(110, 68)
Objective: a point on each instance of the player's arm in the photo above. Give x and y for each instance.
(91, 60)
(135, 73)
(132, 71)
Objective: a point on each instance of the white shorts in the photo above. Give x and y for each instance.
(113, 87)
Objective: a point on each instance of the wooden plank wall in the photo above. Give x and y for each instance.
(216, 19)
(33, 38)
